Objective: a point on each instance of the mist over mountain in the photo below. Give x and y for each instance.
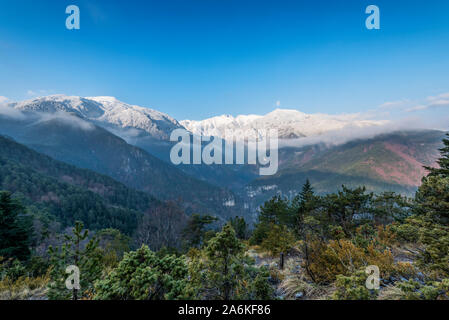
(131, 144)
(289, 124)
(80, 142)
(105, 111)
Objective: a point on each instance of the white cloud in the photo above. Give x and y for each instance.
(349, 133)
(440, 96)
(439, 101)
(3, 99)
(67, 119)
(10, 112)
(394, 104)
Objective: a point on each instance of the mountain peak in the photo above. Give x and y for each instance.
(290, 123)
(106, 111)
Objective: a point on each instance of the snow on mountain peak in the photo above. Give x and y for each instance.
(289, 123)
(106, 111)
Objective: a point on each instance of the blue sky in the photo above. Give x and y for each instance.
(195, 59)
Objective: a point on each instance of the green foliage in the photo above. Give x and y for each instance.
(11, 269)
(434, 238)
(15, 229)
(221, 271)
(414, 290)
(195, 231)
(81, 252)
(113, 244)
(225, 254)
(443, 162)
(348, 208)
(240, 226)
(353, 287)
(388, 207)
(260, 233)
(260, 287)
(432, 199)
(70, 193)
(276, 210)
(279, 239)
(143, 275)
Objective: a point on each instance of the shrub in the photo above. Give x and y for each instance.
(353, 287)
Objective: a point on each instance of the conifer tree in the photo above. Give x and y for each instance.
(443, 161)
(15, 229)
(240, 226)
(225, 254)
(78, 251)
(144, 275)
(195, 230)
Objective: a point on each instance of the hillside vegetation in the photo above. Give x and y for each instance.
(309, 247)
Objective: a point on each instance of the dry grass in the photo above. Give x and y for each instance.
(24, 288)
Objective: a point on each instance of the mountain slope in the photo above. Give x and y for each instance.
(105, 111)
(69, 193)
(83, 144)
(386, 162)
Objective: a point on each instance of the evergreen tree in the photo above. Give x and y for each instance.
(348, 208)
(144, 275)
(304, 205)
(388, 207)
(443, 162)
(81, 252)
(221, 271)
(432, 199)
(15, 229)
(225, 254)
(240, 226)
(279, 240)
(275, 210)
(195, 231)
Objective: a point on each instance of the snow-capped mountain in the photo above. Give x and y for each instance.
(129, 121)
(289, 123)
(106, 111)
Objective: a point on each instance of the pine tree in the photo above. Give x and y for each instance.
(303, 205)
(306, 192)
(222, 271)
(275, 210)
(443, 161)
(240, 226)
(144, 275)
(279, 240)
(15, 229)
(194, 233)
(225, 253)
(75, 251)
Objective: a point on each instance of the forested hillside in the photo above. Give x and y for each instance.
(68, 193)
(84, 145)
(348, 245)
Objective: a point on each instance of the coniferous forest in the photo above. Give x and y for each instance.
(128, 245)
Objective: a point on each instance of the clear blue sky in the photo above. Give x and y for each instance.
(194, 59)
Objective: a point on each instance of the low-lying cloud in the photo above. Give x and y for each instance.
(39, 117)
(66, 118)
(350, 133)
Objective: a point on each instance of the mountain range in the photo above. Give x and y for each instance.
(289, 124)
(131, 145)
